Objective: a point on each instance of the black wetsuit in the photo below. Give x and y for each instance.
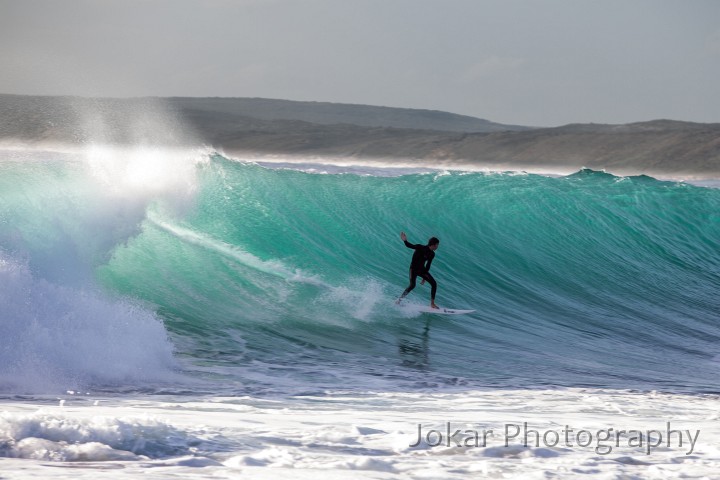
(420, 267)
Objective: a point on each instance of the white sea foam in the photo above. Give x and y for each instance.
(58, 337)
(363, 435)
(65, 438)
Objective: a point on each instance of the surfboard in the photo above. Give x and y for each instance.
(444, 311)
(438, 311)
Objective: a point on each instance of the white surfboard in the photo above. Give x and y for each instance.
(444, 311)
(438, 311)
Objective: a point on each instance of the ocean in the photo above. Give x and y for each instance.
(177, 312)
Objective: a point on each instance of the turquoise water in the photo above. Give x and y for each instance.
(267, 278)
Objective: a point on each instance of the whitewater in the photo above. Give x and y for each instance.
(179, 312)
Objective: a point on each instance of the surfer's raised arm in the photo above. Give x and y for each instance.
(403, 237)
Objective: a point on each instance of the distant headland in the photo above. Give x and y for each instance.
(266, 128)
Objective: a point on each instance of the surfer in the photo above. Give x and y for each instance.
(420, 266)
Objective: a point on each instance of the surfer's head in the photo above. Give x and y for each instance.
(433, 243)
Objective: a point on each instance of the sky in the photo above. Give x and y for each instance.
(525, 62)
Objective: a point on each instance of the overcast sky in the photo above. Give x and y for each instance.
(530, 62)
